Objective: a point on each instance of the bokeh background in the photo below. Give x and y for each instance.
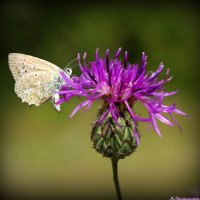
(43, 153)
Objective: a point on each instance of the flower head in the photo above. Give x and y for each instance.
(120, 85)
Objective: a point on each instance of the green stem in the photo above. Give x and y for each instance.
(115, 178)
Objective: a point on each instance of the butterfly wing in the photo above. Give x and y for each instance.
(37, 89)
(21, 64)
(36, 79)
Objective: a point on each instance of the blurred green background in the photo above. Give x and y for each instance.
(44, 153)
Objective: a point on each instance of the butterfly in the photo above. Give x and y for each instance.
(36, 80)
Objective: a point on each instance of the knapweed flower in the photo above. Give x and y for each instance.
(119, 85)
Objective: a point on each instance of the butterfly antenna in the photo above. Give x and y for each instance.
(71, 62)
(77, 65)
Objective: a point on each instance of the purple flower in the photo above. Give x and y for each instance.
(119, 82)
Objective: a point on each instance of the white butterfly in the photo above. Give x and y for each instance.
(37, 80)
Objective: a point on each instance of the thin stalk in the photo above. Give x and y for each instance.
(115, 178)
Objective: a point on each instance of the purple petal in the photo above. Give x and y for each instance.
(103, 116)
(179, 112)
(125, 59)
(118, 53)
(157, 72)
(154, 123)
(164, 120)
(175, 121)
(136, 136)
(96, 55)
(112, 110)
(165, 94)
(81, 105)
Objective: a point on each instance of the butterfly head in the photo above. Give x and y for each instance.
(68, 71)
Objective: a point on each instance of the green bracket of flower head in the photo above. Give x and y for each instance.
(112, 140)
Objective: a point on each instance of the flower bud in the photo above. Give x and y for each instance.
(114, 140)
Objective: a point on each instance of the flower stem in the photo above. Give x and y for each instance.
(115, 177)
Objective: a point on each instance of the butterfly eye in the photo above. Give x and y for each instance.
(69, 71)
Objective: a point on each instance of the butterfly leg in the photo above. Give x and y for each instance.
(54, 99)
